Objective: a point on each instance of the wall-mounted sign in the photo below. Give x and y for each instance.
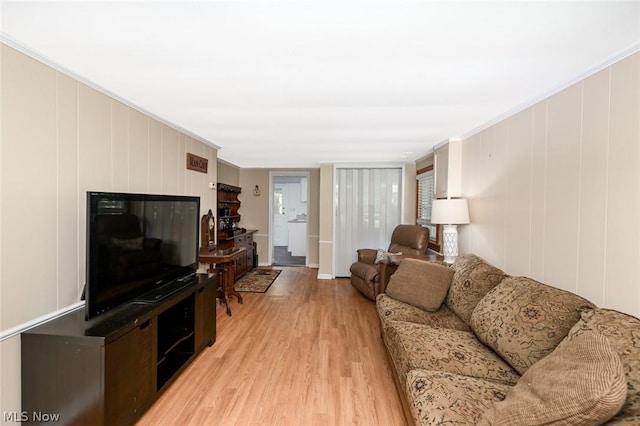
(196, 163)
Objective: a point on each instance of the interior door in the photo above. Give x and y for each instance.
(280, 232)
(367, 211)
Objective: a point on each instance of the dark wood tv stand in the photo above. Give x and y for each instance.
(110, 369)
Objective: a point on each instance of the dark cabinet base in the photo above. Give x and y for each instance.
(109, 370)
(244, 240)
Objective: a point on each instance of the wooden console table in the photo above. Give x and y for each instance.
(223, 262)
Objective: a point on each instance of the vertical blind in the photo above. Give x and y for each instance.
(367, 212)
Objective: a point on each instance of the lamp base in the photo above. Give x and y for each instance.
(450, 243)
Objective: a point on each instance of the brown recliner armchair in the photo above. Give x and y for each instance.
(370, 278)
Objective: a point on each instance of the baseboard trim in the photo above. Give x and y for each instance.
(325, 276)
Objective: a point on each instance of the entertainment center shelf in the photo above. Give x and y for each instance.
(110, 369)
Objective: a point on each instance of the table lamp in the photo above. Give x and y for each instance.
(450, 212)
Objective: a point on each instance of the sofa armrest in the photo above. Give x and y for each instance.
(367, 256)
(386, 269)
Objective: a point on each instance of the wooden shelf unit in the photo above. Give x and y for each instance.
(228, 207)
(239, 237)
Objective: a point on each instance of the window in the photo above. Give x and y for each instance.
(424, 198)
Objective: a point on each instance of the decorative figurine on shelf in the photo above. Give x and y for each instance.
(208, 233)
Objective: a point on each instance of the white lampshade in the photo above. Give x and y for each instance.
(451, 211)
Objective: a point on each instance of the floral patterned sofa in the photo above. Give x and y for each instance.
(471, 345)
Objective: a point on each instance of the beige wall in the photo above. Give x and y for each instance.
(424, 162)
(255, 210)
(555, 190)
(325, 196)
(409, 194)
(228, 173)
(59, 139)
(421, 164)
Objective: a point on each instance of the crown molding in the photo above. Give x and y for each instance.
(603, 65)
(9, 41)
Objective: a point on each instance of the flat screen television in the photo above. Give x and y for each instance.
(140, 247)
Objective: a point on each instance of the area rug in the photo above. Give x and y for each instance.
(257, 280)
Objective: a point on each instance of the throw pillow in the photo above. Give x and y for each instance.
(420, 283)
(524, 320)
(582, 382)
(383, 255)
(623, 332)
(472, 279)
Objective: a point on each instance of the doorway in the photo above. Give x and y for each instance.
(289, 214)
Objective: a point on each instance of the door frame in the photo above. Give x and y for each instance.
(288, 173)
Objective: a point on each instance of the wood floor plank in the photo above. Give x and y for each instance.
(307, 352)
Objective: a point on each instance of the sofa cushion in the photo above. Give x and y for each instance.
(420, 283)
(472, 280)
(390, 309)
(623, 333)
(524, 320)
(440, 398)
(581, 382)
(420, 346)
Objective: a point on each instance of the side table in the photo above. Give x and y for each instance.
(223, 262)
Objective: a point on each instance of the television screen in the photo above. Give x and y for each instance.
(136, 244)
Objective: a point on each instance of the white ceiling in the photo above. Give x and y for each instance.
(298, 83)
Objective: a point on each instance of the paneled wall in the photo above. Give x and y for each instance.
(327, 219)
(555, 190)
(228, 173)
(59, 139)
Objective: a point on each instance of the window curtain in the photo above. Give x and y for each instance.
(367, 211)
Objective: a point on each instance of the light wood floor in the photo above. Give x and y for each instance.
(307, 352)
